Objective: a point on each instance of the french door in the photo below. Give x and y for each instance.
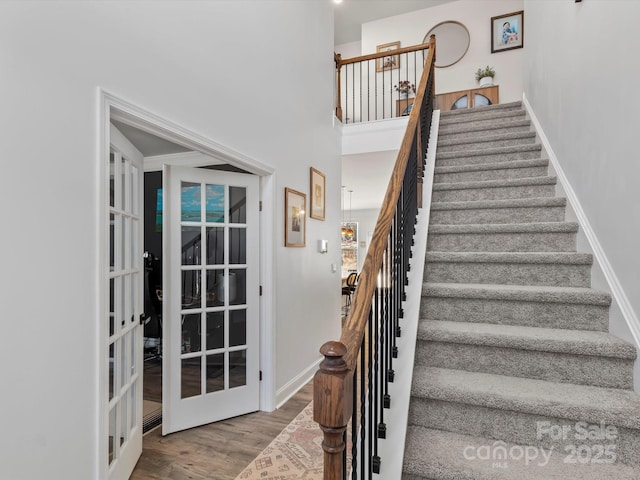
(210, 296)
(124, 339)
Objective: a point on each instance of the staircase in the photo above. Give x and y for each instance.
(513, 350)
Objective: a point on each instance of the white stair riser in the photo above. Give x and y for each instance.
(592, 370)
(517, 427)
(556, 275)
(526, 313)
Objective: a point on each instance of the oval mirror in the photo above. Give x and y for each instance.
(452, 42)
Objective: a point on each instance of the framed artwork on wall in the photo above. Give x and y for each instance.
(507, 32)
(317, 192)
(295, 204)
(390, 61)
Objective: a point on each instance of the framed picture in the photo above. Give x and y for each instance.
(388, 62)
(507, 32)
(317, 189)
(295, 204)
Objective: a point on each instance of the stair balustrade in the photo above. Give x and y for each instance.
(370, 87)
(352, 383)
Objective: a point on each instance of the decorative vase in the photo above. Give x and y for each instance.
(404, 94)
(486, 81)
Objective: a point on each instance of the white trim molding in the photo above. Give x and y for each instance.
(296, 383)
(205, 152)
(135, 116)
(617, 292)
(186, 159)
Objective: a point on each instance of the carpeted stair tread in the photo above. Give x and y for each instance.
(562, 258)
(536, 227)
(507, 203)
(455, 129)
(486, 139)
(526, 293)
(539, 397)
(440, 455)
(539, 162)
(576, 342)
(501, 183)
(530, 147)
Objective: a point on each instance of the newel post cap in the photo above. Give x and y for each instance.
(333, 387)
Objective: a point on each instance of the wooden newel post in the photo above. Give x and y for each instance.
(333, 405)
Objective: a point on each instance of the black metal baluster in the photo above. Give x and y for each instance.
(354, 417)
(368, 90)
(375, 460)
(382, 427)
(370, 395)
(363, 403)
(360, 64)
(353, 89)
(390, 373)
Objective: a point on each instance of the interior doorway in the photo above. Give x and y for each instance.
(192, 330)
(213, 335)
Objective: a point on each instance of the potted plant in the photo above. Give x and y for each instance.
(405, 87)
(485, 76)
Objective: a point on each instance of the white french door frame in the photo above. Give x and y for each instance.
(112, 107)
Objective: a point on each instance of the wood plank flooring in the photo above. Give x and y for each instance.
(219, 451)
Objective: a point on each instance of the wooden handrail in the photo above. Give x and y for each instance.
(372, 56)
(353, 331)
(333, 382)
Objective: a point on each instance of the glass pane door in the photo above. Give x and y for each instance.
(211, 247)
(124, 340)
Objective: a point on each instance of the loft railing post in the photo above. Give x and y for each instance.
(332, 405)
(338, 59)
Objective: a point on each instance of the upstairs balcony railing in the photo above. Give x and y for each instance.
(352, 383)
(370, 87)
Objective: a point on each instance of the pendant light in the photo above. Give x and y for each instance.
(343, 229)
(349, 229)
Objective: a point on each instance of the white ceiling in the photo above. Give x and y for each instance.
(148, 144)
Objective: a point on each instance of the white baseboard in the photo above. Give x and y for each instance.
(617, 292)
(296, 383)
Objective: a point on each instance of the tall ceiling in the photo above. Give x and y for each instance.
(351, 14)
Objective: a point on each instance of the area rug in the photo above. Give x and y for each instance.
(296, 453)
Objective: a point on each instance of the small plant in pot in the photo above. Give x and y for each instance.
(405, 87)
(485, 76)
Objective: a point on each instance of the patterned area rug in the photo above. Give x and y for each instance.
(294, 454)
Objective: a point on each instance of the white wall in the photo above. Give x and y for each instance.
(349, 50)
(581, 83)
(255, 76)
(366, 224)
(411, 28)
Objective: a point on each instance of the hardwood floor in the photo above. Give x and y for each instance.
(219, 451)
